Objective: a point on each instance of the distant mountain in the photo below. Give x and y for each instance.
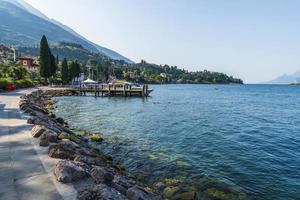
(21, 24)
(286, 79)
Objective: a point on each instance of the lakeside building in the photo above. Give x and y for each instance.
(132, 75)
(28, 62)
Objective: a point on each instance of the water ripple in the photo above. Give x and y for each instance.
(247, 136)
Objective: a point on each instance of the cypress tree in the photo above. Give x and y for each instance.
(77, 69)
(45, 58)
(72, 71)
(65, 71)
(53, 64)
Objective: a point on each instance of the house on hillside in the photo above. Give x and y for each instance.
(133, 75)
(111, 79)
(28, 62)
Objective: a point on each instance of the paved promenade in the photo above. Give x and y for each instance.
(22, 173)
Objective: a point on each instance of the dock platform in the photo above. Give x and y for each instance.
(112, 90)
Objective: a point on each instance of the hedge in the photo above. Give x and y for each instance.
(24, 83)
(4, 82)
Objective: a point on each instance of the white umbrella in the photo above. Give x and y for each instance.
(89, 81)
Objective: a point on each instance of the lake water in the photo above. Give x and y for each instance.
(246, 137)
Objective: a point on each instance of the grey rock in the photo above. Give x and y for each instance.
(67, 171)
(60, 120)
(63, 150)
(48, 137)
(119, 188)
(101, 192)
(37, 130)
(101, 175)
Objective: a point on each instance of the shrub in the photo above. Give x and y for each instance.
(23, 83)
(4, 82)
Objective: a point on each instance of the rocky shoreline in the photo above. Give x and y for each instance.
(79, 159)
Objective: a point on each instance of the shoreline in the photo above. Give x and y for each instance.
(92, 173)
(96, 175)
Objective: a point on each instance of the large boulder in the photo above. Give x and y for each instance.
(48, 123)
(67, 171)
(101, 175)
(38, 130)
(191, 195)
(101, 192)
(63, 150)
(48, 137)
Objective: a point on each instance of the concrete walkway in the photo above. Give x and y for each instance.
(22, 173)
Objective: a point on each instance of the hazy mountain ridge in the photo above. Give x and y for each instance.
(286, 79)
(21, 24)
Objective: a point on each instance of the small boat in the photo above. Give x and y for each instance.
(295, 83)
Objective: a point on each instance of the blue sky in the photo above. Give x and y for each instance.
(255, 40)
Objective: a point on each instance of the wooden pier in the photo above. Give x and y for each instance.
(112, 90)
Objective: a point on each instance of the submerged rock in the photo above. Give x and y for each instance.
(96, 137)
(186, 196)
(210, 188)
(67, 171)
(160, 186)
(138, 193)
(218, 193)
(70, 136)
(38, 130)
(48, 137)
(170, 191)
(101, 192)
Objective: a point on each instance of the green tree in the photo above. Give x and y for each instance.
(77, 69)
(57, 60)
(53, 67)
(72, 70)
(45, 58)
(65, 71)
(17, 72)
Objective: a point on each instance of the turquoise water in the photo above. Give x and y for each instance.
(246, 136)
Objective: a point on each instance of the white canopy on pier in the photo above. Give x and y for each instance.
(89, 81)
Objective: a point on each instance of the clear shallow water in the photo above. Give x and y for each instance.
(246, 135)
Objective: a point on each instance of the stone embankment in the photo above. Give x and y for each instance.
(79, 160)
